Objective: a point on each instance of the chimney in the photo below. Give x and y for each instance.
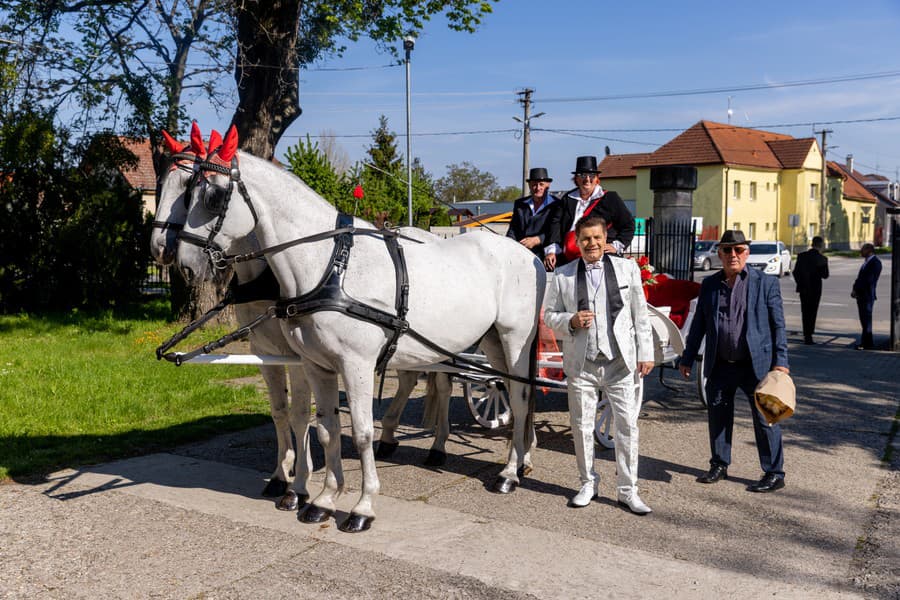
(850, 164)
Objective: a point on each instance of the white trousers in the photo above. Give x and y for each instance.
(617, 382)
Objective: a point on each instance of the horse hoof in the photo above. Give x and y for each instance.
(435, 458)
(523, 471)
(275, 488)
(356, 523)
(314, 514)
(504, 485)
(292, 501)
(386, 449)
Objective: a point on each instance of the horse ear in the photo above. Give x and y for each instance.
(171, 145)
(229, 146)
(215, 142)
(197, 140)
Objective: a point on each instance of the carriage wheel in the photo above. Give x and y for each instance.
(603, 428)
(488, 401)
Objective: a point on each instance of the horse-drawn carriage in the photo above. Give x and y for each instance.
(353, 300)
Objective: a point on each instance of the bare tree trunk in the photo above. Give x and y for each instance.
(267, 39)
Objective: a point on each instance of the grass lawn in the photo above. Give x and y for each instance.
(79, 389)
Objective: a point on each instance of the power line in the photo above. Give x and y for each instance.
(579, 133)
(421, 134)
(722, 90)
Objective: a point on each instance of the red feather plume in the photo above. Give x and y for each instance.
(229, 146)
(197, 140)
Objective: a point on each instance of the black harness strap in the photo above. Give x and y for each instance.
(264, 287)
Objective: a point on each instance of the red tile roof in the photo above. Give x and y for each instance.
(792, 153)
(708, 142)
(142, 176)
(620, 165)
(853, 188)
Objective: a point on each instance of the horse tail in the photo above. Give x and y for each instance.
(430, 416)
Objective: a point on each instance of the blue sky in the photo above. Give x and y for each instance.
(580, 49)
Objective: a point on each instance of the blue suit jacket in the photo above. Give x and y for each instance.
(766, 335)
(865, 283)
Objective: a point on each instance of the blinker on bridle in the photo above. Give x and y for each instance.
(216, 199)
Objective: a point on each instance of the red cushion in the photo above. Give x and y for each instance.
(675, 293)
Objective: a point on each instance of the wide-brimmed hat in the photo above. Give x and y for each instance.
(538, 174)
(585, 164)
(733, 237)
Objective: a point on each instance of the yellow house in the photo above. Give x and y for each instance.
(748, 179)
(851, 209)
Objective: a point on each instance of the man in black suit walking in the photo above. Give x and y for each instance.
(864, 292)
(810, 270)
(536, 216)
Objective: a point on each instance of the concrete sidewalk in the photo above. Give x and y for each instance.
(190, 523)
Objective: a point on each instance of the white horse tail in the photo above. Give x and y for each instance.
(432, 404)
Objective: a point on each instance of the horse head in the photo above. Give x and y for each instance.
(175, 183)
(213, 224)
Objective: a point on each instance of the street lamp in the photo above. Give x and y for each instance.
(409, 42)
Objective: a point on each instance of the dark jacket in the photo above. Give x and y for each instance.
(611, 207)
(766, 334)
(865, 283)
(525, 224)
(810, 270)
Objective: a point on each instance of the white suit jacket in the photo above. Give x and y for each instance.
(631, 326)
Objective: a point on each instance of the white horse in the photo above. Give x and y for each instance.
(476, 287)
(289, 416)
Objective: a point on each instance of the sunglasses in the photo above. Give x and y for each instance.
(733, 249)
(586, 176)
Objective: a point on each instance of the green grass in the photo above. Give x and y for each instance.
(79, 389)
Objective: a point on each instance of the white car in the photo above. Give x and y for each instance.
(772, 258)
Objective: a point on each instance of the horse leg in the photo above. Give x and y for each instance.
(324, 386)
(359, 385)
(276, 382)
(523, 437)
(298, 495)
(406, 382)
(437, 415)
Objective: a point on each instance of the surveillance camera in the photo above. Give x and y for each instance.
(409, 42)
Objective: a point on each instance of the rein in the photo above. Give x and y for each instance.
(328, 295)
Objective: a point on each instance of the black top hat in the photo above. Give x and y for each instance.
(585, 164)
(733, 237)
(538, 174)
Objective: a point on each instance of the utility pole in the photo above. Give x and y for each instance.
(526, 133)
(409, 42)
(822, 213)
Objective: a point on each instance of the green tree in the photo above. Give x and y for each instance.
(507, 194)
(465, 182)
(308, 162)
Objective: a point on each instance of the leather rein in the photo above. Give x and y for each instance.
(328, 295)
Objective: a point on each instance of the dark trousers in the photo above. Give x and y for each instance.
(721, 387)
(809, 308)
(865, 306)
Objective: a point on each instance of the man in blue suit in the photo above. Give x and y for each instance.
(740, 314)
(864, 292)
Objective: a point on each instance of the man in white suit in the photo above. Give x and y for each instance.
(596, 307)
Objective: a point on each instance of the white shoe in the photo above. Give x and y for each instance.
(584, 496)
(634, 503)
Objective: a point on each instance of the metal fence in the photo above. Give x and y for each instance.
(669, 246)
(156, 282)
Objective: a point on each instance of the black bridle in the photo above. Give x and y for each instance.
(216, 199)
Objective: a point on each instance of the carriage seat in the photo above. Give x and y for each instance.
(674, 293)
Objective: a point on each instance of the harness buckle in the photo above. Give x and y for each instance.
(217, 258)
(290, 310)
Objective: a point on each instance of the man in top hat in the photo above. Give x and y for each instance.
(596, 307)
(589, 198)
(740, 314)
(535, 216)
